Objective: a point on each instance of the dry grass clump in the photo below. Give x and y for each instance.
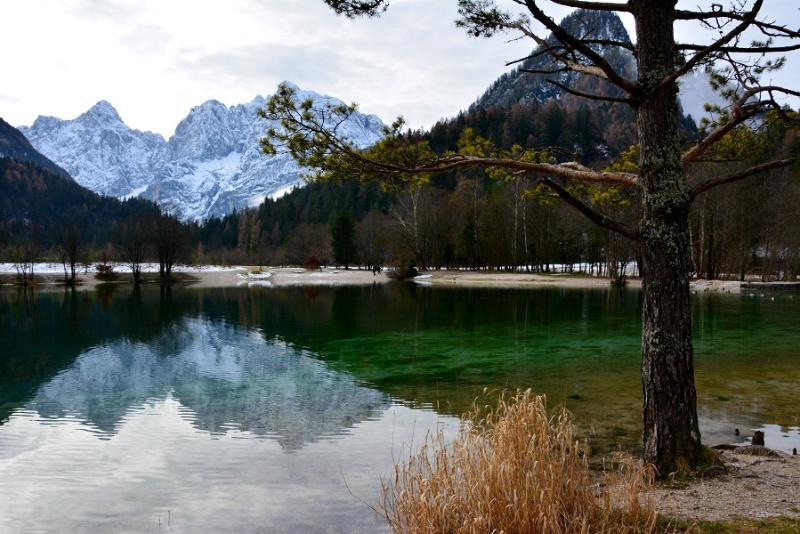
(515, 469)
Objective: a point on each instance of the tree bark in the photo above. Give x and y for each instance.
(671, 435)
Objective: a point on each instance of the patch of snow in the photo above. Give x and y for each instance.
(285, 190)
(57, 268)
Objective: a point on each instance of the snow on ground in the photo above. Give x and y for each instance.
(50, 268)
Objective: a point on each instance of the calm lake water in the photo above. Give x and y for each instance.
(277, 410)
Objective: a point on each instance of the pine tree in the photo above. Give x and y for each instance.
(671, 433)
(343, 239)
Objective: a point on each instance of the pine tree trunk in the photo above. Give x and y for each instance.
(671, 435)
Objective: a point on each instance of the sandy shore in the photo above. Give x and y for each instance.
(246, 276)
(283, 276)
(500, 279)
(51, 275)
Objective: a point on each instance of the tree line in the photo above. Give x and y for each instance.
(463, 219)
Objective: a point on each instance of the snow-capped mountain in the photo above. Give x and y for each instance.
(209, 167)
(98, 150)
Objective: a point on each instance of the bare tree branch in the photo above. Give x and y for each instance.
(588, 212)
(768, 49)
(747, 20)
(554, 48)
(596, 6)
(590, 96)
(601, 67)
(752, 171)
(767, 28)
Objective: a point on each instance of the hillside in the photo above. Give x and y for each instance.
(39, 203)
(13, 144)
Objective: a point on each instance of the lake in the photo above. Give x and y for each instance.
(279, 409)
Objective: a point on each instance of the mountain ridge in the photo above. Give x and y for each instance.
(14, 145)
(520, 87)
(210, 166)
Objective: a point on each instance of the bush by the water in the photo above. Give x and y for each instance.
(105, 272)
(513, 468)
(403, 271)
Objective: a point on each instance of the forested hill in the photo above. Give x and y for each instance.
(40, 204)
(15, 145)
(521, 87)
(523, 107)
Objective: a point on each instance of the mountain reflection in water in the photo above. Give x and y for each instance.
(278, 409)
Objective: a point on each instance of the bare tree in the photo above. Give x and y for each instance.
(24, 256)
(309, 244)
(671, 434)
(69, 251)
(371, 237)
(134, 245)
(170, 240)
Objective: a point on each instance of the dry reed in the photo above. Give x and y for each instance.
(515, 469)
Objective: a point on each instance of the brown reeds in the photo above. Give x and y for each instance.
(515, 469)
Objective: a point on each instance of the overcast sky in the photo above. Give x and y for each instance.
(155, 59)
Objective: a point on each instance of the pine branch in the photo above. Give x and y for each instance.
(752, 171)
(746, 21)
(590, 96)
(742, 110)
(358, 8)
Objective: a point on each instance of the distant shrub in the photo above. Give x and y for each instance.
(312, 263)
(516, 469)
(105, 272)
(403, 271)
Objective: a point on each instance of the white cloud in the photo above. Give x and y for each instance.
(156, 59)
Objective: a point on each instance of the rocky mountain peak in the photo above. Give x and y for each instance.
(102, 112)
(598, 25)
(521, 87)
(209, 167)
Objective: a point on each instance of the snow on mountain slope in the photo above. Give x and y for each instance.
(98, 150)
(209, 167)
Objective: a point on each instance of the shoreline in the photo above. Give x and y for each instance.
(210, 276)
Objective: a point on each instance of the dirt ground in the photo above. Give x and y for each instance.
(753, 487)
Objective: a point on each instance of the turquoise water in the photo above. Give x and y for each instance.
(273, 409)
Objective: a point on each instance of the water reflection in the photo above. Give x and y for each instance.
(141, 413)
(247, 409)
(227, 377)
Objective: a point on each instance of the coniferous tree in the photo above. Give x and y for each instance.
(343, 239)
